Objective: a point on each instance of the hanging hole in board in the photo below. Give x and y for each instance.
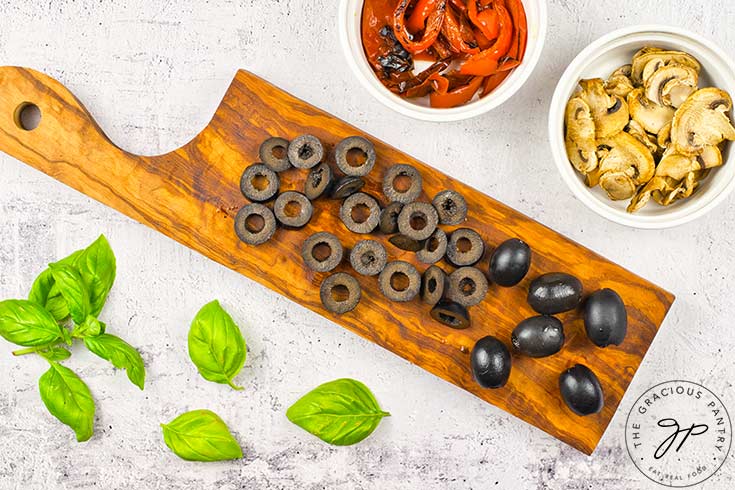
(27, 116)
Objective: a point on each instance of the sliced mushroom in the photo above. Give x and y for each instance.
(710, 157)
(636, 130)
(619, 83)
(626, 157)
(702, 120)
(648, 114)
(663, 138)
(609, 112)
(660, 57)
(580, 136)
(670, 85)
(617, 185)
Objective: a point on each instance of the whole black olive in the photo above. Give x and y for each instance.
(510, 262)
(538, 336)
(554, 293)
(581, 390)
(490, 362)
(605, 318)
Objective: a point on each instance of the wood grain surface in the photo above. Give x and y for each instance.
(192, 195)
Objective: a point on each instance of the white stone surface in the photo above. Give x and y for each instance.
(152, 73)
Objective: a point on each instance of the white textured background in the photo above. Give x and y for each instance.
(152, 72)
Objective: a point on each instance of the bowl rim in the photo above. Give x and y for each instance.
(353, 52)
(569, 175)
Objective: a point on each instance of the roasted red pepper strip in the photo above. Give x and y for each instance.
(520, 29)
(493, 81)
(486, 20)
(452, 32)
(431, 33)
(486, 62)
(508, 64)
(417, 20)
(456, 97)
(459, 4)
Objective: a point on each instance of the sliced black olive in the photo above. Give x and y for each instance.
(451, 206)
(510, 262)
(346, 186)
(396, 190)
(255, 224)
(490, 362)
(322, 252)
(293, 209)
(305, 151)
(368, 257)
(345, 150)
(434, 249)
(451, 314)
(538, 336)
(340, 293)
(581, 390)
(467, 286)
(318, 181)
(465, 247)
(554, 292)
(389, 218)
(406, 243)
(418, 220)
(360, 213)
(259, 183)
(432, 285)
(273, 153)
(605, 318)
(399, 281)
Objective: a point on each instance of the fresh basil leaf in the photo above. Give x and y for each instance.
(68, 399)
(26, 323)
(97, 266)
(216, 345)
(73, 289)
(200, 435)
(54, 353)
(342, 412)
(45, 292)
(121, 354)
(91, 327)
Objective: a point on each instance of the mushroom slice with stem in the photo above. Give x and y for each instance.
(619, 83)
(643, 57)
(627, 157)
(617, 185)
(609, 112)
(670, 85)
(637, 131)
(710, 157)
(648, 114)
(702, 120)
(580, 135)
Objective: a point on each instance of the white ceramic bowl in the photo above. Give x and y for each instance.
(350, 16)
(599, 59)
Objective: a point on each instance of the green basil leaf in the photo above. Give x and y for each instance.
(68, 399)
(54, 353)
(25, 323)
(45, 292)
(121, 354)
(341, 412)
(98, 268)
(200, 435)
(216, 345)
(91, 327)
(73, 289)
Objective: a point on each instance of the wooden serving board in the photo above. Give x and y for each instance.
(192, 195)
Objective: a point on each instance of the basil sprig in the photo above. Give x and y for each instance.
(216, 345)
(201, 435)
(341, 412)
(63, 304)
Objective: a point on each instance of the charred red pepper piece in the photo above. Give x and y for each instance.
(493, 81)
(456, 97)
(486, 20)
(520, 29)
(417, 20)
(486, 62)
(434, 23)
(452, 31)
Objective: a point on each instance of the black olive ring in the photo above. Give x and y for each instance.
(253, 234)
(331, 296)
(472, 255)
(405, 271)
(346, 186)
(402, 170)
(368, 257)
(434, 248)
(418, 220)
(389, 218)
(365, 225)
(318, 181)
(282, 211)
(432, 285)
(406, 243)
(269, 151)
(322, 252)
(344, 147)
(305, 151)
(451, 314)
(467, 286)
(451, 206)
(253, 177)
